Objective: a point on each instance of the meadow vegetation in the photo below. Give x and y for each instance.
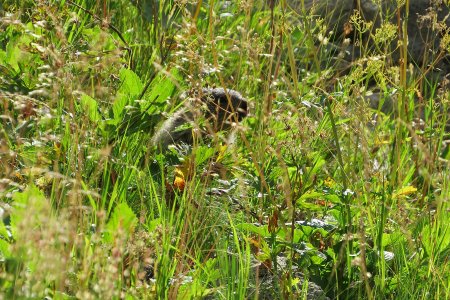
(337, 183)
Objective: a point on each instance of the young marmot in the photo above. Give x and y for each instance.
(217, 107)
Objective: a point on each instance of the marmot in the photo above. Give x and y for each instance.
(219, 109)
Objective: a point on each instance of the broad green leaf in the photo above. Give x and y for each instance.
(153, 224)
(90, 107)
(436, 238)
(311, 195)
(203, 153)
(95, 35)
(118, 108)
(390, 239)
(4, 249)
(300, 233)
(123, 218)
(131, 83)
(161, 88)
(129, 90)
(333, 198)
(13, 55)
(32, 196)
(261, 230)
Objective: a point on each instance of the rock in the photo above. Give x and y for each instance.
(425, 25)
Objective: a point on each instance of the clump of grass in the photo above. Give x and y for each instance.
(319, 186)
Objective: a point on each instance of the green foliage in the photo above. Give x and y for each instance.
(122, 218)
(90, 107)
(315, 185)
(130, 87)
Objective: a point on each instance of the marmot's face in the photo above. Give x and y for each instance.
(224, 109)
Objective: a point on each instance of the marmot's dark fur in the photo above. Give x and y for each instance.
(213, 105)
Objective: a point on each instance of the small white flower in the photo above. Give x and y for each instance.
(348, 192)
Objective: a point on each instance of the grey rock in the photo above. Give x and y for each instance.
(423, 34)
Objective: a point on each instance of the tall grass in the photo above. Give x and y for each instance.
(319, 188)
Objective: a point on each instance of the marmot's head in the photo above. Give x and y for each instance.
(224, 107)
